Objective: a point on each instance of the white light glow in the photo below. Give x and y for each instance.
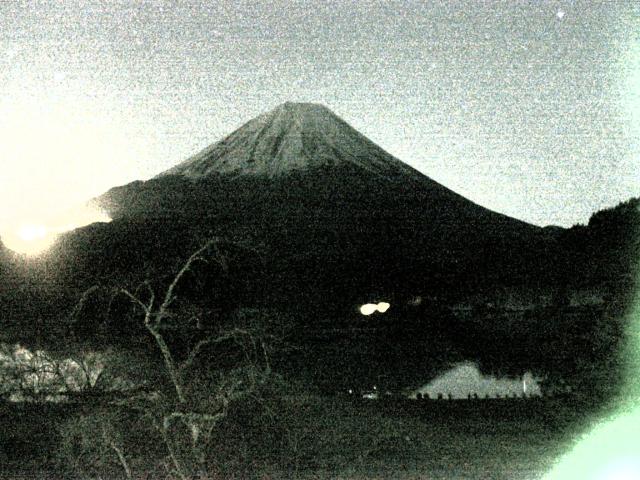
(60, 150)
(33, 238)
(466, 378)
(383, 307)
(30, 232)
(368, 309)
(371, 308)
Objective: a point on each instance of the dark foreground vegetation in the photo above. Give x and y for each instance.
(163, 374)
(306, 437)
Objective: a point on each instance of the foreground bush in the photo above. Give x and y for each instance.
(281, 435)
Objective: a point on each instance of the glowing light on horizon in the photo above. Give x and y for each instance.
(370, 308)
(34, 238)
(29, 238)
(30, 232)
(60, 150)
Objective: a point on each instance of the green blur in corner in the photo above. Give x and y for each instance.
(611, 451)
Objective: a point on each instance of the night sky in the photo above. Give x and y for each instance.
(528, 108)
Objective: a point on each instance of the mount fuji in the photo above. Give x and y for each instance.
(315, 221)
(332, 213)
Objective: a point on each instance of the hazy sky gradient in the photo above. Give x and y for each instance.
(529, 108)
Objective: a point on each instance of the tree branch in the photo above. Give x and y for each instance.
(195, 351)
(169, 295)
(83, 299)
(121, 457)
(147, 309)
(191, 417)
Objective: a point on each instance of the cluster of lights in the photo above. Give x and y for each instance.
(370, 308)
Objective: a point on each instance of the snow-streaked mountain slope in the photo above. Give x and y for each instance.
(293, 136)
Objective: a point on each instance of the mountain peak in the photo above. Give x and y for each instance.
(302, 107)
(301, 110)
(291, 137)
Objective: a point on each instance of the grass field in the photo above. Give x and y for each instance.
(339, 438)
(453, 439)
